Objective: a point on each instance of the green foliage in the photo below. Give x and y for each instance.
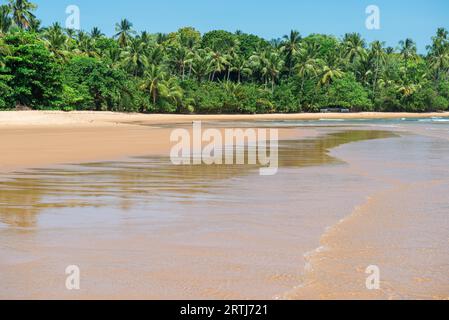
(6, 93)
(218, 40)
(90, 82)
(426, 99)
(218, 72)
(250, 43)
(32, 71)
(285, 99)
(346, 92)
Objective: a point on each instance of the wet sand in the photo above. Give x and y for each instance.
(37, 139)
(347, 195)
(42, 138)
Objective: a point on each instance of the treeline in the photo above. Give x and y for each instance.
(218, 72)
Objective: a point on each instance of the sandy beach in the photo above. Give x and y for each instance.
(92, 118)
(41, 138)
(97, 190)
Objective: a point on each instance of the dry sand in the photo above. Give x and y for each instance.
(41, 138)
(91, 118)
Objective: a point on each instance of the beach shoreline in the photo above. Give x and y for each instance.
(298, 247)
(33, 139)
(24, 119)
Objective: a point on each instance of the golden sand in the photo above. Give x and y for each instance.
(41, 138)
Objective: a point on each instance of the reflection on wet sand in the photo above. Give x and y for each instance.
(145, 179)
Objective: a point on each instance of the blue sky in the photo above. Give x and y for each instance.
(417, 19)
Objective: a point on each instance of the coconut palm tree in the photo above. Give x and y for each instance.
(290, 47)
(439, 53)
(307, 64)
(4, 51)
(241, 66)
(56, 40)
(275, 65)
(218, 62)
(134, 58)
(96, 33)
(152, 82)
(329, 74)
(22, 12)
(35, 25)
(145, 38)
(407, 90)
(113, 56)
(85, 45)
(379, 57)
(408, 52)
(269, 64)
(439, 62)
(161, 38)
(200, 64)
(181, 57)
(5, 19)
(124, 33)
(353, 46)
(170, 90)
(155, 55)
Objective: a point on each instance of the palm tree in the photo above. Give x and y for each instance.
(145, 38)
(135, 58)
(389, 50)
(124, 31)
(96, 33)
(56, 40)
(439, 53)
(85, 45)
(241, 66)
(71, 33)
(353, 46)
(217, 62)
(35, 25)
(378, 54)
(291, 46)
(152, 80)
(113, 56)
(407, 90)
(5, 19)
(439, 62)
(155, 55)
(22, 12)
(161, 38)
(171, 91)
(408, 52)
(200, 64)
(307, 65)
(329, 74)
(275, 65)
(269, 64)
(4, 51)
(180, 58)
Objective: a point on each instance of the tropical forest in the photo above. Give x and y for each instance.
(218, 72)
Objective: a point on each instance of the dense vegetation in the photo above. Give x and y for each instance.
(218, 72)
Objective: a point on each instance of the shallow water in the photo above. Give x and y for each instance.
(356, 195)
